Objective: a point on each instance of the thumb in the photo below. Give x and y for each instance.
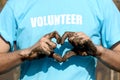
(68, 55)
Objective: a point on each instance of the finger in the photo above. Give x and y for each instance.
(46, 50)
(78, 42)
(74, 41)
(78, 38)
(57, 37)
(51, 44)
(83, 53)
(68, 55)
(66, 35)
(57, 57)
(82, 44)
(71, 39)
(54, 35)
(42, 47)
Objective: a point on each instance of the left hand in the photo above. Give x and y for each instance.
(81, 43)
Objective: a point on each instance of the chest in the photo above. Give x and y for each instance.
(44, 17)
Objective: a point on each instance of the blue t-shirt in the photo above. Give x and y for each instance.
(26, 21)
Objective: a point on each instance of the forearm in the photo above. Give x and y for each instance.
(110, 58)
(10, 60)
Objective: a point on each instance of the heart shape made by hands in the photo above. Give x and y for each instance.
(81, 45)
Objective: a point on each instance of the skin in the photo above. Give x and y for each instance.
(82, 45)
(43, 47)
(2, 3)
(109, 57)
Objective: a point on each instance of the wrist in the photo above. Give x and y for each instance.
(100, 50)
(24, 54)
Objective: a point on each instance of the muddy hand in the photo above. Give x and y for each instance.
(45, 47)
(81, 43)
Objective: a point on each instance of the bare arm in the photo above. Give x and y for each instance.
(8, 61)
(44, 46)
(110, 58)
(84, 46)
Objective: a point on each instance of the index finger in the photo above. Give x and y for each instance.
(55, 35)
(66, 35)
(68, 55)
(56, 56)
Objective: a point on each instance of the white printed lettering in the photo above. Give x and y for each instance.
(50, 20)
(40, 21)
(45, 21)
(68, 18)
(64, 19)
(57, 20)
(79, 19)
(33, 22)
(73, 19)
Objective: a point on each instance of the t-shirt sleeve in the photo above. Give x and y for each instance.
(8, 25)
(110, 31)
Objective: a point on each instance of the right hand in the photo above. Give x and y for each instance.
(45, 47)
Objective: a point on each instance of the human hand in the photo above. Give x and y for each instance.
(81, 43)
(45, 47)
